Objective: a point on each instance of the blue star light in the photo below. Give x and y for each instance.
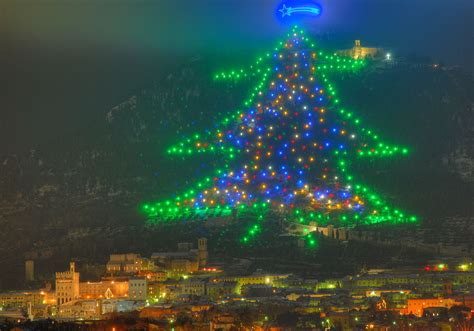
(312, 9)
(285, 11)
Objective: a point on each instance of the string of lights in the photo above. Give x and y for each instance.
(288, 151)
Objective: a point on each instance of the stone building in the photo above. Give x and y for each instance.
(193, 287)
(67, 285)
(360, 52)
(80, 309)
(185, 260)
(21, 299)
(123, 264)
(138, 288)
(202, 252)
(218, 290)
(417, 306)
(104, 289)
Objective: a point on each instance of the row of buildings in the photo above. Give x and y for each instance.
(129, 278)
(129, 274)
(208, 298)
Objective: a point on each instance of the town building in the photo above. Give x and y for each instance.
(120, 264)
(185, 260)
(193, 287)
(156, 289)
(120, 305)
(222, 322)
(218, 290)
(417, 307)
(103, 289)
(80, 309)
(137, 288)
(159, 312)
(254, 279)
(67, 285)
(21, 299)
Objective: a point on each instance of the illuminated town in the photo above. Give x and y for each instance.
(325, 184)
(187, 288)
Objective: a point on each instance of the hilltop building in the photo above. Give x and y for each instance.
(361, 52)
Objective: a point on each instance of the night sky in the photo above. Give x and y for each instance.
(64, 63)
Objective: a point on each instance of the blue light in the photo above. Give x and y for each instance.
(312, 9)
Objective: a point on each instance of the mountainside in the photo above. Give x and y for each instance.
(92, 190)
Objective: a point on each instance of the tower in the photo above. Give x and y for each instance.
(29, 270)
(202, 252)
(67, 285)
(357, 50)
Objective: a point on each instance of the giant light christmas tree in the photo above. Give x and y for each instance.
(288, 151)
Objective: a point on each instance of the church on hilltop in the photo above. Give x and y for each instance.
(360, 52)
